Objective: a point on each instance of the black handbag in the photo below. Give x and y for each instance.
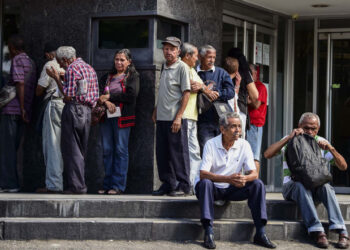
(222, 108)
(306, 163)
(203, 103)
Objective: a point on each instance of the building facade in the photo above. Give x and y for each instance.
(303, 61)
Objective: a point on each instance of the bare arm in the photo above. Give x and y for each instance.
(236, 180)
(20, 94)
(175, 127)
(213, 177)
(56, 76)
(275, 148)
(154, 115)
(253, 94)
(338, 158)
(40, 90)
(197, 87)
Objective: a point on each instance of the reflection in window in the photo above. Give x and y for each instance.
(165, 29)
(127, 33)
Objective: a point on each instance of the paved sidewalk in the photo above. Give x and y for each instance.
(135, 245)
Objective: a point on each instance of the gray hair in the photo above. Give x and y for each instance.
(65, 52)
(223, 121)
(187, 48)
(204, 49)
(309, 115)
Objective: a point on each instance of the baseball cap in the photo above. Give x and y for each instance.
(173, 41)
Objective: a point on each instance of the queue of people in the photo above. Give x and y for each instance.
(214, 154)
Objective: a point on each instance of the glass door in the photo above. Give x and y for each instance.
(334, 99)
(257, 43)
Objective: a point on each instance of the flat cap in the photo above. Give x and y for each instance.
(173, 41)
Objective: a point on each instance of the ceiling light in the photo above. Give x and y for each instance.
(320, 5)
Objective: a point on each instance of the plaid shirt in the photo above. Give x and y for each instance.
(80, 70)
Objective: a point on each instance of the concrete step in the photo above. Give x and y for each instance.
(142, 229)
(145, 206)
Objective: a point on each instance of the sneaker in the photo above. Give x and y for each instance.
(9, 190)
(220, 203)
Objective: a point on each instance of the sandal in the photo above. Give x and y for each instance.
(102, 191)
(114, 192)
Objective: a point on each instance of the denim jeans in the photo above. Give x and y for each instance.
(254, 137)
(194, 150)
(115, 143)
(52, 145)
(11, 128)
(206, 131)
(296, 191)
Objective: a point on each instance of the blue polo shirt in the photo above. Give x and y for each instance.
(224, 86)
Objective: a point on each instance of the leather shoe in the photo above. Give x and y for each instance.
(263, 241)
(321, 240)
(47, 191)
(343, 242)
(72, 192)
(209, 241)
(176, 193)
(159, 192)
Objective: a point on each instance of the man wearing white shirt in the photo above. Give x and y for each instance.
(51, 124)
(224, 158)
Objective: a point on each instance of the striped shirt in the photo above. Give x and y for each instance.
(22, 70)
(81, 83)
(286, 172)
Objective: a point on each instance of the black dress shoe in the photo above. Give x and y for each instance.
(159, 192)
(209, 241)
(263, 241)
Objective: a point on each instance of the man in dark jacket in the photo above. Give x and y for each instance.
(219, 80)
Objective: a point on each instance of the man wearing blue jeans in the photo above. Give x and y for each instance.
(309, 123)
(257, 114)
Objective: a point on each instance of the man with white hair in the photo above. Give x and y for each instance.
(80, 89)
(309, 123)
(223, 90)
(224, 158)
(51, 123)
(189, 55)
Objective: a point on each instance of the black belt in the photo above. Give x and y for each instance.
(75, 101)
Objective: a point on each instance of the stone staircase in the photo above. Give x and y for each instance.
(143, 217)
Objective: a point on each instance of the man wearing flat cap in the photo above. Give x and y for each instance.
(171, 137)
